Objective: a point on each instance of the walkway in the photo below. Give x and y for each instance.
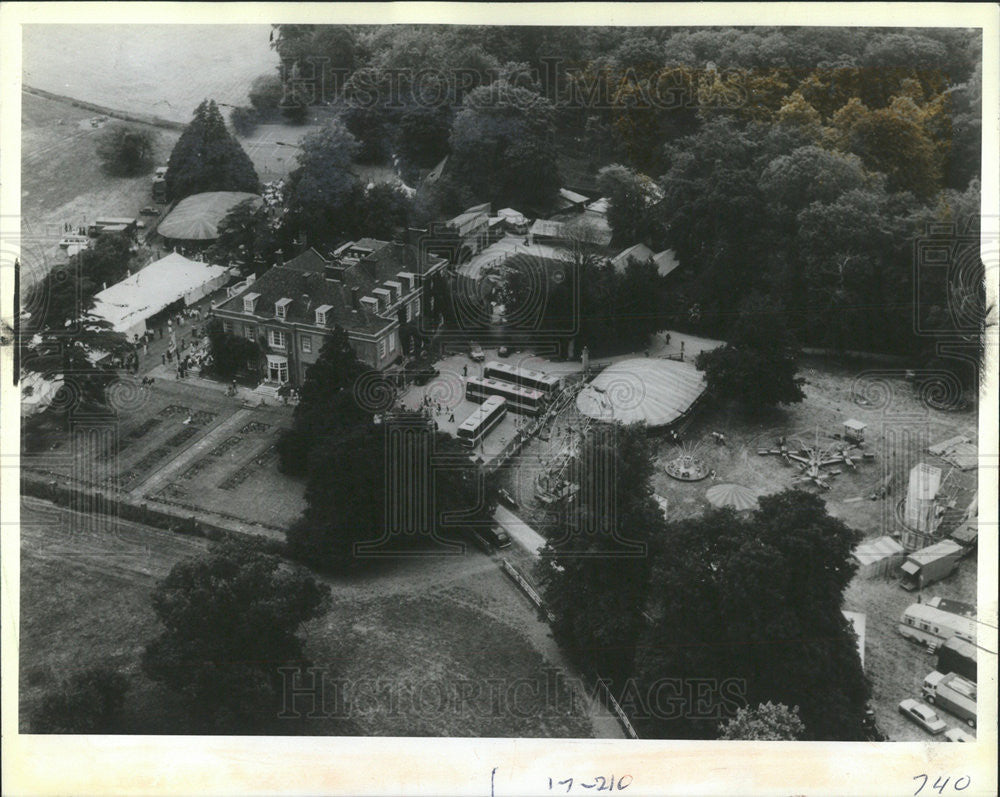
(521, 532)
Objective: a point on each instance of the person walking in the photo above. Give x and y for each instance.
(163, 358)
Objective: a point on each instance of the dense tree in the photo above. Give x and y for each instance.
(323, 186)
(768, 722)
(265, 95)
(230, 620)
(381, 211)
(348, 520)
(328, 406)
(596, 567)
(126, 150)
(90, 701)
(632, 196)
(230, 353)
(422, 136)
(246, 235)
(759, 599)
(502, 145)
(206, 157)
(757, 368)
(105, 261)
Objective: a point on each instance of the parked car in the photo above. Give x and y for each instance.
(149, 210)
(924, 716)
(958, 735)
(500, 538)
(503, 351)
(507, 498)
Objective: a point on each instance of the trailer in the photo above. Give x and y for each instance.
(930, 564)
(952, 693)
(958, 656)
(933, 627)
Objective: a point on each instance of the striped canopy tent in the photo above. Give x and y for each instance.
(197, 217)
(737, 496)
(642, 390)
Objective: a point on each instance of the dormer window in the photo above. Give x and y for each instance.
(281, 308)
(250, 302)
(321, 314)
(370, 303)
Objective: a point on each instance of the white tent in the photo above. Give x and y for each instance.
(127, 304)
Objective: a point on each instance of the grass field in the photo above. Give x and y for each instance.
(62, 181)
(441, 646)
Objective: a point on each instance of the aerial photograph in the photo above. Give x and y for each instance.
(586, 382)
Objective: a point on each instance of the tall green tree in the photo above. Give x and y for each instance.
(348, 518)
(323, 188)
(230, 621)
(126, 150)
(503, 146)
(328, 406)
(596, 565)
(206, 157)
(758, 599)
(632, 196)
(757, 368)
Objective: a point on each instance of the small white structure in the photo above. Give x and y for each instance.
(127, 304)
(881, 556)
(918, 512)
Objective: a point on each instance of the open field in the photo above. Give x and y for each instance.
(162, 70)
(430, 646)
(62, 181)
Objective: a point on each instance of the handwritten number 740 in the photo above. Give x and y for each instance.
(960, 784)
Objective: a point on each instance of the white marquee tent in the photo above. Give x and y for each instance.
(127, 304)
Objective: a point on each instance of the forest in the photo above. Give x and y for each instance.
(802, 164)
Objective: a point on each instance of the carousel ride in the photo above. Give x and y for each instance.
(814, 459)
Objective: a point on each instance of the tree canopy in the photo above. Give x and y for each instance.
(126, 150)
(230, 620)
(759, 599)
(767, 722)
(757, 368)
(206, 157)
(90, 701)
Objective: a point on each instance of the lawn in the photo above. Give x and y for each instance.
(61, 178)
(440, 646)
(85, 600)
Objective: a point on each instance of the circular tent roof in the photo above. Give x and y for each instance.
(642, 390)
(737, 496)
(197, 217)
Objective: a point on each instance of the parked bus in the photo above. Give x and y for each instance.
(957, 656)
(932, 627)
(474, 428)
(523, 377)
(519, 399)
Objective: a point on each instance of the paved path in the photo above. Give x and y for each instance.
(163, 476)
(526, 537)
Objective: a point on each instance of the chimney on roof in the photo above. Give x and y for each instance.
(354, 298)
(307, 301)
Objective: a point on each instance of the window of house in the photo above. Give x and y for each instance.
(320, 318)
(281, 308)
(307, 344)
(381, 348)
(227, 327)
(248, 332)
(416, 308)
(276, 338)
(392, 342)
